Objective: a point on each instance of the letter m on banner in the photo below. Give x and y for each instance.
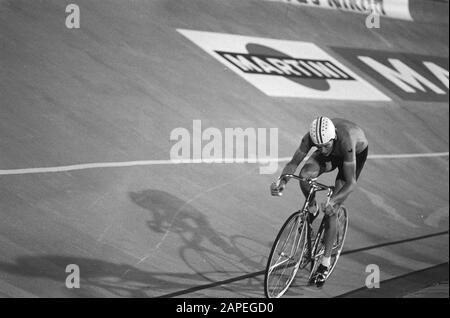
(409, 76)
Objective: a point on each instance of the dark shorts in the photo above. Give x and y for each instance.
(330, 163)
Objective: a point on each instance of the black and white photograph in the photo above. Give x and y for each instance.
(224, 153)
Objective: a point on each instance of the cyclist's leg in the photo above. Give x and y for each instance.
(331, 226)
(314, 167)
(331, 220)
(360, 160)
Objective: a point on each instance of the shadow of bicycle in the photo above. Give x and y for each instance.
(210, 253)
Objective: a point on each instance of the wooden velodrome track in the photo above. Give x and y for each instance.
(113, 90)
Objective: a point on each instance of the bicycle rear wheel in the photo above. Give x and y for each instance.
(285, 257)
(319, 247)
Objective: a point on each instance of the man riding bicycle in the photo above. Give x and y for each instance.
(340, 144)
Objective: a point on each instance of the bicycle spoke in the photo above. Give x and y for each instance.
(278, 264)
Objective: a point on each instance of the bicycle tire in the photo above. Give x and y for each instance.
(296, 243)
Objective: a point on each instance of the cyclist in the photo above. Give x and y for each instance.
(340, 144)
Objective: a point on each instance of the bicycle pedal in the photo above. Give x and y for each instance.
(320, 284)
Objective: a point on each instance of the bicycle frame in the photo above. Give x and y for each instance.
(314, 187)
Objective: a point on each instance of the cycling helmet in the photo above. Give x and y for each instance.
(322, 130)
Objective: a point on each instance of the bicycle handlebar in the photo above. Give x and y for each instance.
(315, 186)
(310, 181)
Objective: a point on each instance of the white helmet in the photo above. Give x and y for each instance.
(322, 130)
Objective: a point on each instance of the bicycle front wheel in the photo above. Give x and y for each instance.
(285, 257)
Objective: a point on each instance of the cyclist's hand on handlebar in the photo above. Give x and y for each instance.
(276, 190)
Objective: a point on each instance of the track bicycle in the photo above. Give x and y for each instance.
(296, 247)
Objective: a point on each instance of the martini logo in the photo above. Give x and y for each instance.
(285, 68)
(295, 68)
(409, 76)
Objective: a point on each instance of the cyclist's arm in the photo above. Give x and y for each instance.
(349, 172)
(298, 157)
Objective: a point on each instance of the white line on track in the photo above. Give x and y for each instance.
(86, 166)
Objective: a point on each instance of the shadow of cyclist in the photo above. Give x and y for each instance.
(173, 215)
